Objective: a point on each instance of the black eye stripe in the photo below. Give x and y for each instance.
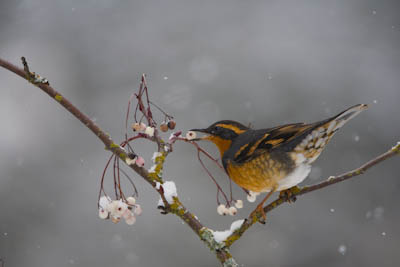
(215, 130)
(222, 132)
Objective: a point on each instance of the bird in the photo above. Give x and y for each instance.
(272, 159)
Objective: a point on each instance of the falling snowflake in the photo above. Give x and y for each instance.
(377, 214)
(342, 249)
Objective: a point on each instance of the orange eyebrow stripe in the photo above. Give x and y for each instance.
(231, 127)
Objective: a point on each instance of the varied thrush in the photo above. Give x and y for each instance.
(273, 159)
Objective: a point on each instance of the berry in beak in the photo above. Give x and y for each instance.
(205, 137)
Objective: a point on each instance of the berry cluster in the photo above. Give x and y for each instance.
(117, 209)
(145, 125)
(224, 210)
(141, 127)
(167, 125)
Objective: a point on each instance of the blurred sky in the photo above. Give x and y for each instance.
(258, 62)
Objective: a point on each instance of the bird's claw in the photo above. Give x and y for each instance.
(289, 194)
(259, 210)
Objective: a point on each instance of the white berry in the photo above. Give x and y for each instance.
(103, 214)
(131, 220)
(232, 211)
(136, 127)
(221, 209)
(190, 135)
(127, 214)
(226, 211)
(142, 126)
(239, 204)
(120, 209)
(149, 131)
(111, 207)
(130, 161)
(104, 202)
(251, 198)
(138, 210)
(131, 200)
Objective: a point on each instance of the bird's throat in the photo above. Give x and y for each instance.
(222, 144)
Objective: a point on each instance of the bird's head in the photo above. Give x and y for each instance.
(222, 133)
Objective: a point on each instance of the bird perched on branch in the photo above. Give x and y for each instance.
(273, 159)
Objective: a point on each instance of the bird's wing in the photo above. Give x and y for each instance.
(285, 137)
(308, 139)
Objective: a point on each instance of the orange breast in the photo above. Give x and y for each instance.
(258, 175)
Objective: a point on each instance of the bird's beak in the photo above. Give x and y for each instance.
(205, 137)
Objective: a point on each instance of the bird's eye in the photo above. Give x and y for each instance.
(215, 130)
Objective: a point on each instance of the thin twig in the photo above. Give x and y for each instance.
(219, 188)
(161, 110)
(200, 149)
(136, 193)
(213, 179)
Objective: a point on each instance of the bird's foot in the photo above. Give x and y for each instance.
(257, 212)
(290, 194)
(260, 209)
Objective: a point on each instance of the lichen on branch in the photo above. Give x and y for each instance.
(218, 242)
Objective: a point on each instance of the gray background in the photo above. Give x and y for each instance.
(259, 62)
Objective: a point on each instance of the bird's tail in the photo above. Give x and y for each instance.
(313, 144)
(339, 120)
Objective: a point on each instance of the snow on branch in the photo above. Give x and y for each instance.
(126, 206)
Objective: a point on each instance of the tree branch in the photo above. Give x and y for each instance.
(296, 191)
(221, 249)
(176, 208)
